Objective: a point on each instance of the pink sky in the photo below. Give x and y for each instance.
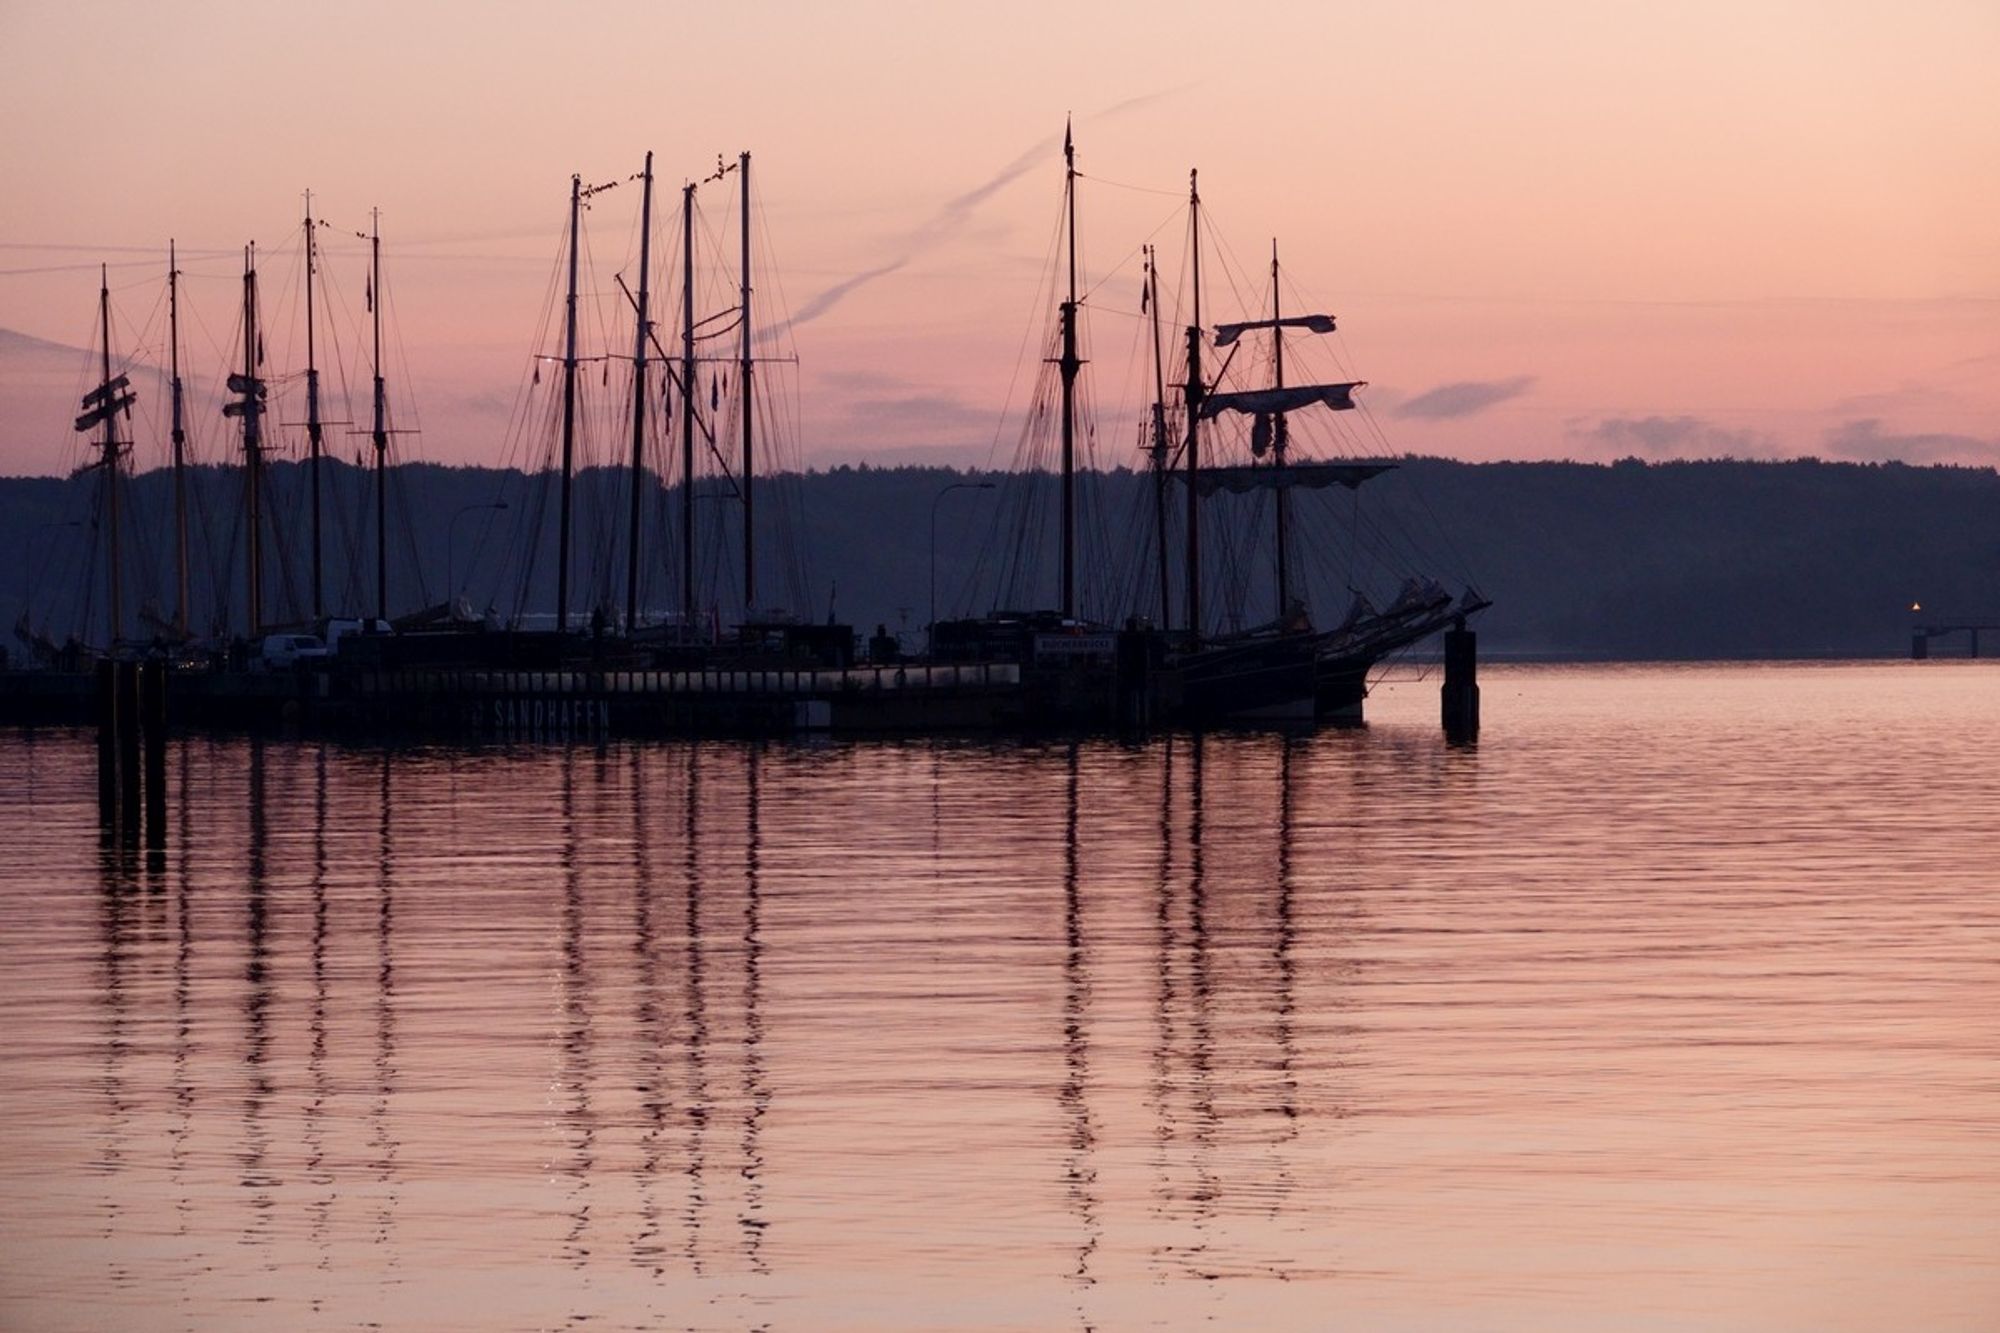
(1562, 230)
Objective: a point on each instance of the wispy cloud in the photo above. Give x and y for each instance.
(951, 218)
(1865, 439)
(1682, 437)
(1908, 395)
(939, 414)
(1463, 398)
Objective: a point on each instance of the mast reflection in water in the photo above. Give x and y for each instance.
(1245, 1030)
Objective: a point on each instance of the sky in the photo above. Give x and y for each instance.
(1548, 230)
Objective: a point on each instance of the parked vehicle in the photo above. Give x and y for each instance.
(283, 652)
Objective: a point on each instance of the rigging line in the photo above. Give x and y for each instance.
(37, 270)
(1119, 269)
(1180, 194)
(1034, 322)
(408, 397)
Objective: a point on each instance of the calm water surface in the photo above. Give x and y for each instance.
(1674, 1004)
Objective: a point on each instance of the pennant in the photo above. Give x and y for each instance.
(1145, 294)
(538, 372)
(368, 292)
(714, 393)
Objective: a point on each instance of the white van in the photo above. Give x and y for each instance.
(282, 652)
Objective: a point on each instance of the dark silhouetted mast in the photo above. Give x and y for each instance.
(639, 402)
(110, 447)
(1159, 439)
(569, 413)
(179, 437)
(743, 372)
(1194, 392)
(380, 428)
(1278, 442)
(101, 407)
(1069, 365)
(687, 409)
(249, 406)
(314, 429)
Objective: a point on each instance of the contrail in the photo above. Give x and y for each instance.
(951, 218)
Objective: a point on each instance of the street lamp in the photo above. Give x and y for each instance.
(450, 543)
(931, 644)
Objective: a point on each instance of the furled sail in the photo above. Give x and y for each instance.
(1339, 397)
(109, 408)
(1312, 476)
(1226, 334)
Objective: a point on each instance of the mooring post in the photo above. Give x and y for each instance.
(153, 726)
(1920, 646)
(107, 743)
(1461, 683)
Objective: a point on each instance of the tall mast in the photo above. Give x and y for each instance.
(639, 403)
(1194, 391)
(251, 409)
(1278, 442)
(743, 372)
(687, 409)
(1159, 438)
(179, 437)
(110, 446)
(380, 431)
(313, 428)
(569, 412)
(1069, 365)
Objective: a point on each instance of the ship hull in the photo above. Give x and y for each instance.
(1264, 679)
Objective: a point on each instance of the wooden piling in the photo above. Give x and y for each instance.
(1461, 683)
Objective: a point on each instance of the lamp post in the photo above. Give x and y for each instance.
(451, 540)
(930, 646)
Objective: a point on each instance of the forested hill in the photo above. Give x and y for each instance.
(1629, 560)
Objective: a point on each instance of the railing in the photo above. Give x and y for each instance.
(805, 684)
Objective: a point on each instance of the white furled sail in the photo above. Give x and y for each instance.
(1339, 397)
(1225, 334)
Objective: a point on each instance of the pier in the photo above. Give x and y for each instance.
(1945, 627)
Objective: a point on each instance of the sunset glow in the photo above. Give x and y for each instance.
(1564, 230)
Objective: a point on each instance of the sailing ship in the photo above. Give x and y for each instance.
(686, 444)
(1284, 669)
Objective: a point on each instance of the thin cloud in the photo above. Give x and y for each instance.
(1864, 439)
(951, 218)
(1905, 396)
(936, 413)
(1681, 437)
(1464, 398)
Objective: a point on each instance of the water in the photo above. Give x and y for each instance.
(1675, 1004)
